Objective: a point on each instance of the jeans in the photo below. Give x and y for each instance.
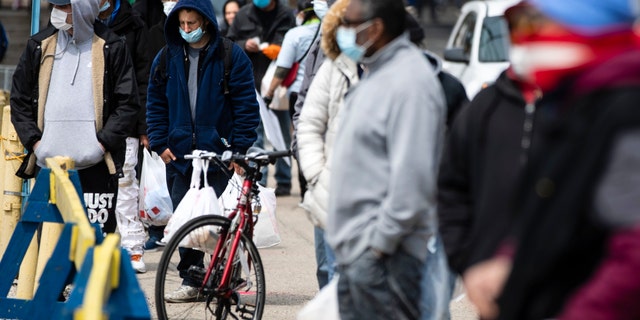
(437, 283)
(325, 259)
(283, 170)
(380, 288)
(178, 187)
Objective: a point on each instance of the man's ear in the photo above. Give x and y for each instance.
(376, 30)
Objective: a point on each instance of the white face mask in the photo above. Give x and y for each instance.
(168, 6)
(529, 58)
(59, 19)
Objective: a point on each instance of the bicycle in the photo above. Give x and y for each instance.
(231, 276)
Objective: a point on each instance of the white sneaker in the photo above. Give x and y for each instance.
(183, 294)
(137, 263)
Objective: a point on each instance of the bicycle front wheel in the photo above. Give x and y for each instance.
(180, 292)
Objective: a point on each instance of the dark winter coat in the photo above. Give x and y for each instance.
(120, 107)
(567, 249)
(233, 118)
(156, 39)
(129, 24)
(247, 24)
(478, 171)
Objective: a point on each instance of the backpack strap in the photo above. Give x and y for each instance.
(161, 68)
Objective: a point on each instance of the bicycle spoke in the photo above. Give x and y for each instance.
(245, 296)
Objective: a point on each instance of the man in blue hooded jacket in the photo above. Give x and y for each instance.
(187, 108)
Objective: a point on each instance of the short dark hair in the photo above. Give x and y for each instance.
(392, 13)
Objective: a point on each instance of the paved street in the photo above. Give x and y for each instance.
(289, 266)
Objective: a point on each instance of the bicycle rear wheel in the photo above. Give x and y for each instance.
(195, 242)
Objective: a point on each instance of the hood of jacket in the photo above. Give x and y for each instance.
(505, 85)
(205, 8)
(126, 20)
(330, 25)
(85, 13)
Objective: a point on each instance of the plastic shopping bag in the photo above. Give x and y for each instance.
(154, 201)
(324, 306)
(281, 96)
(265, 232)
(195, 203)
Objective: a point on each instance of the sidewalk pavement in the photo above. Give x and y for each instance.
(289, 266)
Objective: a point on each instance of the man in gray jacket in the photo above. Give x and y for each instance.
(382, 206)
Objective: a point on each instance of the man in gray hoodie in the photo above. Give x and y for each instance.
(382, 206)
(74, 94)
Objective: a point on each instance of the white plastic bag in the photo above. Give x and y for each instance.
(281, 96)
(196, 202)
(265, 232)
(324, 306)
(154, 201)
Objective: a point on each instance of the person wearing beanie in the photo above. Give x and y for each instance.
(574, 249)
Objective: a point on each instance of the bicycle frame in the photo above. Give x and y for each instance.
(245, 220)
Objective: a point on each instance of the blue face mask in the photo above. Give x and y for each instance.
(320, 7)
(193, 36)
(261, 3)
(105, 7)
(346, 38)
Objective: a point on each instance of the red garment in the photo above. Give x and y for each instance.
(547, 69)
(614, 290)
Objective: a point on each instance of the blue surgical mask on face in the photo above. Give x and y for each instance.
(261, 3)
(193, 36)
(320, 7)
(346, 38)
(105, 7)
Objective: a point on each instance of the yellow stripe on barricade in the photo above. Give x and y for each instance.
(65, 197)
(104, 277)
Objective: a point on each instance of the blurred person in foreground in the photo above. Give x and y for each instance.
(382, 205)
(575, 250)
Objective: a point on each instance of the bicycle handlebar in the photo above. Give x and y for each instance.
(254, 156)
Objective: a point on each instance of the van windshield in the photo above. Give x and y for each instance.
(494, 40)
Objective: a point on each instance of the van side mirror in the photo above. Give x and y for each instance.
(456, 55)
